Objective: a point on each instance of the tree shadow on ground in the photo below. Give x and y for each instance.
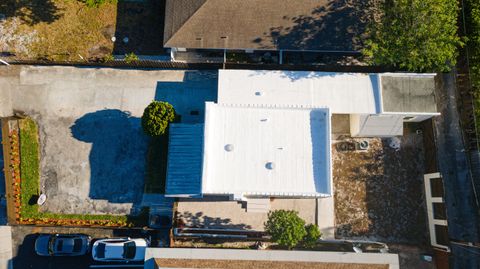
(117, 156)
(142, 23)
(31, 12)
(199, 220)
(337, 25)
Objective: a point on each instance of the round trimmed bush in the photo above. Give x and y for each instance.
(156, 117)
(285, 227)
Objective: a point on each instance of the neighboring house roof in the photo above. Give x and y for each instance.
(260, 24)
(266, 259)
(185, 153)
(342, 93)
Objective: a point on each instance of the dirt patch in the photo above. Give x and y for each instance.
(379, 192)
(55, 29)
(224, 264)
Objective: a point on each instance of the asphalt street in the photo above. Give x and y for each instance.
(24, 247)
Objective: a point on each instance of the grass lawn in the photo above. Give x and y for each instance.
(156, 174)
(30, 179)
(69, 30)
(59, 29)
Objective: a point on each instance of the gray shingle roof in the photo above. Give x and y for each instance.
(262, 24)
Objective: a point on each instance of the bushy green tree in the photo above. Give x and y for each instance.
(312, 236)
(285, 227)
(417, 35)
(156, 117)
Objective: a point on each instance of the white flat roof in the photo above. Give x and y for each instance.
(293, 142)
(343, 93)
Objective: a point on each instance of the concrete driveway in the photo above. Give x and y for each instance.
(92, 146)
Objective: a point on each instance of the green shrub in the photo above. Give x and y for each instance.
(156, 117)
(94, 3)
(285, 227)
(131, 57)
(417, 35)
(312, 236)
(108, 58)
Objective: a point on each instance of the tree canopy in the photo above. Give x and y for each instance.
(417, 35)
(285, 227)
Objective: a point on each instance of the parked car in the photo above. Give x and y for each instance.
(120, 249)
(62, 244)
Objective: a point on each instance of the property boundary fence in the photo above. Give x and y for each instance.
(154, 64)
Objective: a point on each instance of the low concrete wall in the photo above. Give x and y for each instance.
(6, 247)
(270, 255)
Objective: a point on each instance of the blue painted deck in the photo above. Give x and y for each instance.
(185, 156)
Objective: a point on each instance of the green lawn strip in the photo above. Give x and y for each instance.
(156, 172)
(30, 179)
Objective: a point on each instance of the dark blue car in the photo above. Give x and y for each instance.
(62, 244)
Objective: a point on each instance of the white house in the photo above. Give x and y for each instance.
(269, 135)
(378, 104)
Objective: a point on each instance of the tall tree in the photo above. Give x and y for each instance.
(417, 35)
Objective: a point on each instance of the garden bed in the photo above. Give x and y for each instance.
(156, 174)
(24, 165)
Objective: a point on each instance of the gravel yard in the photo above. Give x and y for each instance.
(379, 193)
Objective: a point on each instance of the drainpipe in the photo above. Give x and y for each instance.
(224, 57)
(281, 57)
(172, 54)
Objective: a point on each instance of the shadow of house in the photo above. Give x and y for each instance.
(117, 156)
(400, 214)
(188, 97)
(24, 253)
(31, 11)
(199, 220)
(336, 26)
(142, 23)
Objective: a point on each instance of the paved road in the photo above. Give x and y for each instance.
(25, 257)
(463, 222)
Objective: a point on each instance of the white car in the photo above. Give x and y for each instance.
(120, 249)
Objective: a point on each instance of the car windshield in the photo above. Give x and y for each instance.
(129, 250)
(100, 251)
(77, 245)
(51, 245)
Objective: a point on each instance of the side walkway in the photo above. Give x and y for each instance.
(5, 90)
(462, 211)
(6, 247)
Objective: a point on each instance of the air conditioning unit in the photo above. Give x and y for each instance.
(363, 145)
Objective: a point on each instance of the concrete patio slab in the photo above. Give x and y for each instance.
(217, 213)
(92, 145)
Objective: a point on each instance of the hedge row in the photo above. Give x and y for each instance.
(473, 34)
